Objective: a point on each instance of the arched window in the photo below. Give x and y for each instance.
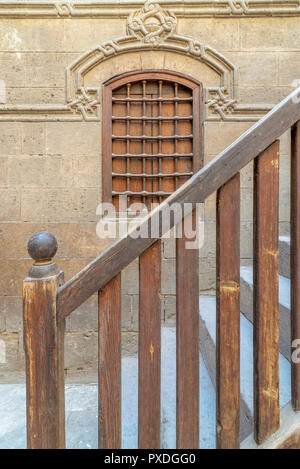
(151, 135)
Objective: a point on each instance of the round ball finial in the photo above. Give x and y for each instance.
(42, 247)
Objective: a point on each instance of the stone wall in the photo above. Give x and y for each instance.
(53, 62)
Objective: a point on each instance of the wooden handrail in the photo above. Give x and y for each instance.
(205, 182)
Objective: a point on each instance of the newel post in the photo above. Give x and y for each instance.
(43, 343)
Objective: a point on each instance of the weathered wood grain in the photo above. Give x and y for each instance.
(206, 181)
(265, 294)
(295, 263)
(228, 315)
(43, 342)
(109, 416)
(187, 342)
(149, 348)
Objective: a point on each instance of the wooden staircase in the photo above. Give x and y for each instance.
(48, 301)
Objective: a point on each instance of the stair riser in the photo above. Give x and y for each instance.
(284, 318)
(284, 259)
(208, 351)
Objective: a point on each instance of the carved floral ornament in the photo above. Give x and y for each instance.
(150, 27)
(151, 23)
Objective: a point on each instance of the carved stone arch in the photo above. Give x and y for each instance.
(86, 99)
(151, 28)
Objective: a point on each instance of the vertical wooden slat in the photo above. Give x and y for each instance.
(265, 311)
(228, 315)
(149, 348)
(187, 353)
(110, 365)
(295, 261)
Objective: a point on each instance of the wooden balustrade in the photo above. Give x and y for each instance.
(47, 304)
(228, 315)
(109, 364)
(265, 293)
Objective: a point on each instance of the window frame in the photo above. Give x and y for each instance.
(132, 77)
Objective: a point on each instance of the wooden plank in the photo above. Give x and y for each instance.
(228, 315)
(106, 147)
(43, 341)
(205, 182)
(265, 293)
(110, 365)
(149, 347)
(187, 343)
(295, 263)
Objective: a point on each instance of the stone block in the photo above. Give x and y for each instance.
(9, 352)
(47, 70)
(87, 171)
(169, 310)
(33, 138)
(218, 135)
(246, 240)
(60, 205)
(90, 32)
(168, 277)
(129, 343)
(114, 66)
(39, 171)
(10, 138)
(17, 96)
(10, 204)
(84, 318)
(246, 203)
(188, 66)
(207, 274)
(81, 350)
(31, 35)
(221, 34)
(130, 313)
(270, 34)
(246, 176)
(12, 66)
(73, 138)
(12, 274)
(289, 63)
(263, 94)
(130, 278)
(3, 172)
(255, 68)
(11, 319)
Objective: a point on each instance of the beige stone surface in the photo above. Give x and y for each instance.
(73, 138)
(215, 32)
(10, 138)
(51, 172)
(269, 34)
(10, 206)
(250, 66)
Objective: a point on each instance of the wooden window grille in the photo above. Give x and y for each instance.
(151, 135)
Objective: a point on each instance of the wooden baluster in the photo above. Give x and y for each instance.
(265, 301)
(150, 348)
(228, 315)
(187, 354)
(295, 263)
(43, 343)
(110, 365)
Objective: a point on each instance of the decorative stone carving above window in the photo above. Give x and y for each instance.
(152, 23)
(151, 27)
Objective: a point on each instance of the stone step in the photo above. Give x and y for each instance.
(82, 406)
(207, 306)
(284, 306)
(284, 256)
